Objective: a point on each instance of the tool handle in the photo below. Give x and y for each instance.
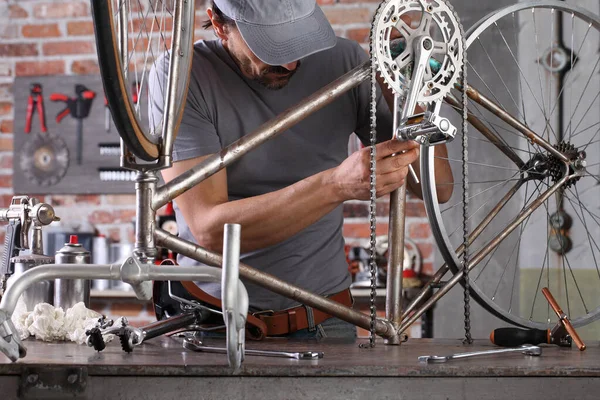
(29, 114)
(88, 95)
(42, 114)
(61, 115)
(11, 246)
(512, 337)
(59, 97)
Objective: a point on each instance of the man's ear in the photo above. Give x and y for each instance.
(218, 28)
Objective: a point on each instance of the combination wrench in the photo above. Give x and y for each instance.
(196, 345)
(527, 350)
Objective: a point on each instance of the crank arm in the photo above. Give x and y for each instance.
(196, 345)
(527, 350)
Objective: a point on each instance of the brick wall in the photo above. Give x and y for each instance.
(56, 38)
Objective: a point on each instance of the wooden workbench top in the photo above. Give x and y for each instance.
(166, 357)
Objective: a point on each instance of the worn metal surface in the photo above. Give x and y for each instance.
(166, 357)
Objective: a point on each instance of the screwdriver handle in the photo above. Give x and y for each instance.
(512, 337)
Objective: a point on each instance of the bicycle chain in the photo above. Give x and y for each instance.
(372, 179)
(373, 182)
(465, 175)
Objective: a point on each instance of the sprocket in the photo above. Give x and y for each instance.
(438, 20)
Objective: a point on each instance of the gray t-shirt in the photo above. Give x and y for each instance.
(223, 106)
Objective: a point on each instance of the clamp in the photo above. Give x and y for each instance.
(79, 108)
(35, 101)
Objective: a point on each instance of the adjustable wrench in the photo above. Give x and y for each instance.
(527, 350)
(196, 345)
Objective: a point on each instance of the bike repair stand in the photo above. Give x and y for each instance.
(79, 108)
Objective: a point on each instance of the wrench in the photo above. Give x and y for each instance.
(196, 345)
(526, 349)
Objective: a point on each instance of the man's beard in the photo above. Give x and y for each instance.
(283, 78)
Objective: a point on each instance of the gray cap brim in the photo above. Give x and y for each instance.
(286, 43)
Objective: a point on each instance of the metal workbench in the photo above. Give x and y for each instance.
(162, 369)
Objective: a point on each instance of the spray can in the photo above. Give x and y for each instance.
(68, 292)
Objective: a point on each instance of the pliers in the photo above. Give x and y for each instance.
(35, 101)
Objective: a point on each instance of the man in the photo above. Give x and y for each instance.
(288, 194)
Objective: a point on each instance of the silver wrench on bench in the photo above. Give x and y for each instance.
(527, 350)
(196, 345)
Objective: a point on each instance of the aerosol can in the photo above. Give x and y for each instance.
(68, 292)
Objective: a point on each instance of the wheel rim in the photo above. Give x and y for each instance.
(133, 38)
(503, 292)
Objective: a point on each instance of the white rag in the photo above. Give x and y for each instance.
(49, 323)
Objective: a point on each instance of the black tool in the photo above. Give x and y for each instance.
(35, 101)
(563, 333)
(79, 108)
(106, 116)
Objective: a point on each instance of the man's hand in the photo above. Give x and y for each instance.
(351, 178)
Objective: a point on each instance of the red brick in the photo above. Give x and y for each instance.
(325, 2)
(85, 67)
(101, 217)
(348, 15)
(415, 209)
(6, 126)
(6, 181)
(16, 11)
(33, 68)
(67, 9)
(41, 30)
(5, 108)
(360, 35)
(124, 215)
(72, 47)
(145, 25)
(6, 160)
(127, 309)
(18, 50)
(419, 230)
(9, 32)
(426, 250)
(5, 200)
(362, 230)
(120, 199)
(383, 209)
(70, 200)
(77, 28)
(356, 210)
(427, 269)
(6, 143)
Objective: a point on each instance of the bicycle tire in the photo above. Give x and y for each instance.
(440, 230)
(117, 82)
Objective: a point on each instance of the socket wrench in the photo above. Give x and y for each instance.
(196, 345)
(527, 350)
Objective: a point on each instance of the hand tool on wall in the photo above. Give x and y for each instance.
(527, 350)
(196, 345)
(563, 333)
(35, 101)
(44, 158)
(79, 108)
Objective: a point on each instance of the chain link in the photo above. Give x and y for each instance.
(465, 175)
(373, 184)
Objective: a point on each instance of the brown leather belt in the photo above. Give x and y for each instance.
(294, 319)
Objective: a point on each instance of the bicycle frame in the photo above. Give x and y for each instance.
(138, 270)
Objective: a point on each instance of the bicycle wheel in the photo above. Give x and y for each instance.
(134, 37)
(533, 168)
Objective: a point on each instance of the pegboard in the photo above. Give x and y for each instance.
(99, 172)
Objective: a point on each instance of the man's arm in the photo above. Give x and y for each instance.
(274, 217)
(443, 171)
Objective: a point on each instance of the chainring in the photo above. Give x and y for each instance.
(437, 20)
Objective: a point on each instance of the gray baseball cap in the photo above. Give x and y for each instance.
(280, 31)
